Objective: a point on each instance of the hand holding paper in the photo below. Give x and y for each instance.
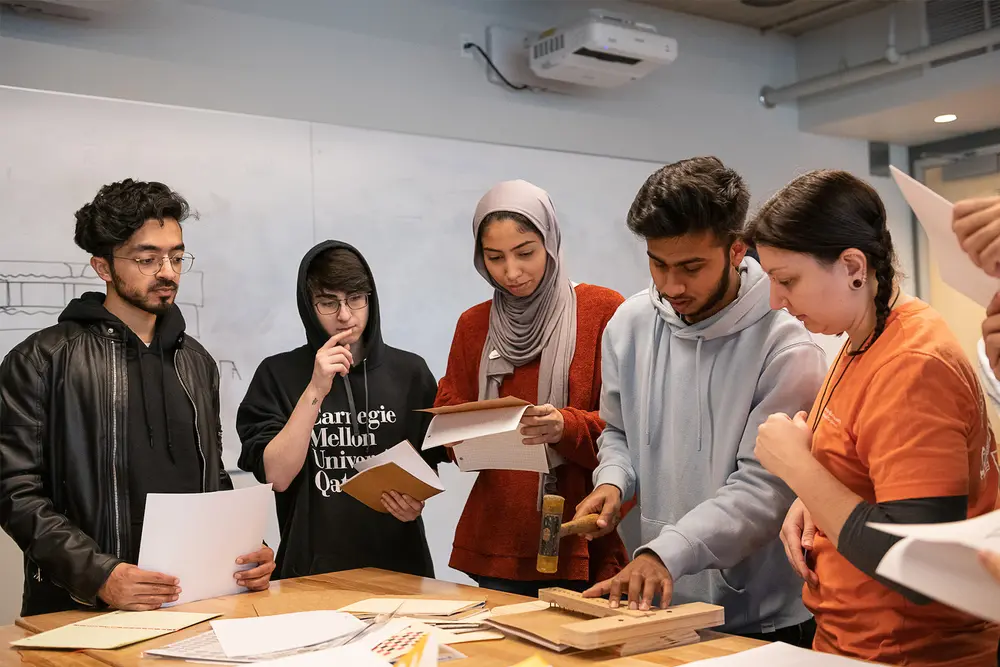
(942, 562)
(936, 215)
(198, 537)
(397, 481)
(133, 589)
(402, 506)
(258, 578)
(977, 225)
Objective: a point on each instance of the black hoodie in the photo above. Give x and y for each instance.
(162, 447)
(369, 411)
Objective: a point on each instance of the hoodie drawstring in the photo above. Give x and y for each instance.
(143, 395)
(697, 375)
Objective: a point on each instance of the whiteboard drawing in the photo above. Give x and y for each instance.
(33, 293)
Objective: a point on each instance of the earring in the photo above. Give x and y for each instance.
(858, 283)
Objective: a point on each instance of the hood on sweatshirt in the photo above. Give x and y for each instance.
(372, 344)
(316, 335)
(752, 303)
(89, 310)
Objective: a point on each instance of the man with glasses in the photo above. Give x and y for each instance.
(110, 404)
(311, 414)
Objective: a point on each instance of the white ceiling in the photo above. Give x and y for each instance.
(913, 123)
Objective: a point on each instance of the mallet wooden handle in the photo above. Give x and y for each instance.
(583, 525)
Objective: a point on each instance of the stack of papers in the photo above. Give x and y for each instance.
(242, 637)
(942, 561)
(397, 469)
(114, 630)
(935, 214)
(197, 537)
(413, 607)
(781, 655)
(489, 436)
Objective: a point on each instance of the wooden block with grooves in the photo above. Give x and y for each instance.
(573, 601)
(608, 631)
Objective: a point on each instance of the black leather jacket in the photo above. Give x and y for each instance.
(63, 454)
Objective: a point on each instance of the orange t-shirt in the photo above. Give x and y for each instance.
(906, 419)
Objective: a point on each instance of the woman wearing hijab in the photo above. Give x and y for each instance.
(538, 339)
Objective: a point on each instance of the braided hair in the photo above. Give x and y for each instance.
(822, 214)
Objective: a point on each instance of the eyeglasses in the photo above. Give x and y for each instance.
(150, 266)
(330, 305)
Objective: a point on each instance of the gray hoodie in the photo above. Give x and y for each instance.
(682, 404)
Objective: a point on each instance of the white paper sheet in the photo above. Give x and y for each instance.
(490, 440)
(407, 458)
(197, 537)
(333, 657)
(941, 561)
(465, 426)
(779, 654)
(935, 215)
(240, 637)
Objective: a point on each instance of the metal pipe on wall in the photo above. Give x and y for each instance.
(770, 97)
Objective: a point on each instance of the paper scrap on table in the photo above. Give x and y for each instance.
(197, 537)
(935, 215)
(455, 633)
(240, 637)
(779, 654)
(411, 606)
(941, 561)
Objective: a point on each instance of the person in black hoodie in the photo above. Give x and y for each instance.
(311, 413)
(112, 403)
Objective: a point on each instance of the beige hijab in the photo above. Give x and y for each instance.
(544, 323)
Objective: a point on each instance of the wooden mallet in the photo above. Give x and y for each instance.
(553, 530)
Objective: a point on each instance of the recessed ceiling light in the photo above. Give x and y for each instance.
(946, 118)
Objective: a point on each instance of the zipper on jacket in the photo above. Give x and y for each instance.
(114, 444)
(197, 431)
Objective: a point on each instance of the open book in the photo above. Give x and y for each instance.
(400, 469)
(488, 434)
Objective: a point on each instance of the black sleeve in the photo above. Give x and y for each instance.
(62, 551)
(423, 395)
(260, 417)
(865, 547)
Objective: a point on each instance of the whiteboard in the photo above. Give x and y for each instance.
(267, 190)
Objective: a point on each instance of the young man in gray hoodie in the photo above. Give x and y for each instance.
(691, 367)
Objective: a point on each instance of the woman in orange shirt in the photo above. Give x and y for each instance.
(539, 339)
(898, 434)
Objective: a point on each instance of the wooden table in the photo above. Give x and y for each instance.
(481, 654)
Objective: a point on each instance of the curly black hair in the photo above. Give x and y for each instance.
(120, 209)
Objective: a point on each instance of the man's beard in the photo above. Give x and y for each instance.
(151, 305)
(717, 296)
